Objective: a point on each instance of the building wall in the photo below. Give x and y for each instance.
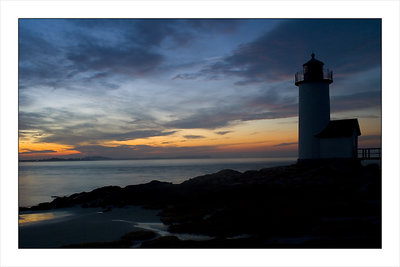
(344, 147)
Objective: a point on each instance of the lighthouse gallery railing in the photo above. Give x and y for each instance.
(326, 75)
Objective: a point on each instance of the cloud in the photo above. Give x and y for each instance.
(128, 60)
(193, 136)
(88, 52)
(92, 51)
(186, 76)
(215, 25)
(223, 132)
(355, 101)
(94, 135)
(237, 110)
(145, 151)
(50, 121)
(286, 144)
(210, 119)
(143, 32)
(36, 151)
(216, 118)
(152, 32)
(370, 137)
(30, 121)
(272, 102)
(346, 45)
(68, 127)
(40, 62)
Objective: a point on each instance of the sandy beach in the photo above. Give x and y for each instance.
(81, 225)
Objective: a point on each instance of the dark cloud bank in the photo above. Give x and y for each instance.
(347, 45)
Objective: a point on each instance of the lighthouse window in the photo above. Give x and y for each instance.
(305, 69)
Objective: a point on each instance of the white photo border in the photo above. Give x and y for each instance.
(12, 10)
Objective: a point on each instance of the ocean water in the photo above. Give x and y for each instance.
(40, 181)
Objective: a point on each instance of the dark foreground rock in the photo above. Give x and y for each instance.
(335, 205)
(126, 241)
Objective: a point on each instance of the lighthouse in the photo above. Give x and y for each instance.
(314, 106)
(319, 137)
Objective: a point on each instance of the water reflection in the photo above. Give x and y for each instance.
(28, 218)
(40, 180)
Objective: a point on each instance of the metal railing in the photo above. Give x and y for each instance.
(369, 153)
(326, 75)
(299, 77)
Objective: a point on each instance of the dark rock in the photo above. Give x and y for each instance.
(163, 242)
(292, 201)
(124, 242)
(139, 235)
(112, 244)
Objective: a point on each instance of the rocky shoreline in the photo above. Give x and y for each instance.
(329, 205)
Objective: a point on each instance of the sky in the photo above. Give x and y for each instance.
(166, 88)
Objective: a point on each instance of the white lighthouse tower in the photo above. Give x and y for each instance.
(314, 107)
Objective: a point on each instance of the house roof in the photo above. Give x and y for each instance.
(340, 128)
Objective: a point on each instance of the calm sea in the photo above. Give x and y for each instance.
(39, 181)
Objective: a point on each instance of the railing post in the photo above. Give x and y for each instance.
(369, 153)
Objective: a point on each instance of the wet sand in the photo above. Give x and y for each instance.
(82, 225)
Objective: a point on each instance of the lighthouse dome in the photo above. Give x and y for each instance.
(313, 71)
(313, 62)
